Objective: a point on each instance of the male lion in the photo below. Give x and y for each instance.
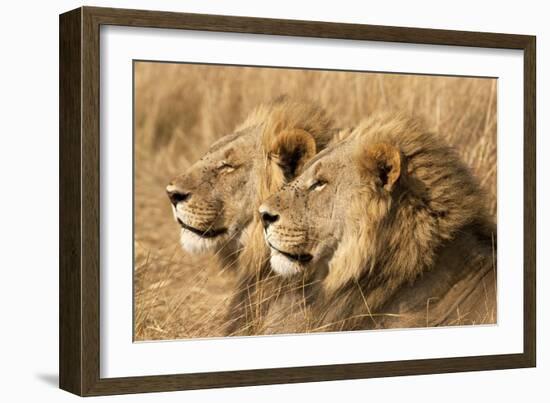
(215, 200)
(395, 227)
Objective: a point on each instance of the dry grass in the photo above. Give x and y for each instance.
(182, 109)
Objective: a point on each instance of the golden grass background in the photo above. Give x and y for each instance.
(180, 109)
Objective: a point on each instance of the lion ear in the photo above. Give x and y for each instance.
(384, 161)
(291, 149)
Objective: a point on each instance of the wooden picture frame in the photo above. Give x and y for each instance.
(79, 200)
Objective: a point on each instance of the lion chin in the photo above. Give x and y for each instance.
(283, 266)
(195, 244)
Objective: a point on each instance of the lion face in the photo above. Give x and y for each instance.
(209, 200)
(308, 220)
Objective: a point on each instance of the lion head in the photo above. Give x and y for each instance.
(215, 199)
(372, 209)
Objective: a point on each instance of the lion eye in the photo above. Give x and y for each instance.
(318, 185)
(225, 167)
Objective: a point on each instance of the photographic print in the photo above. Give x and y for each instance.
(291, 201)
(284, 201)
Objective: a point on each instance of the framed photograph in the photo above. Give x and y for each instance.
(249, 201)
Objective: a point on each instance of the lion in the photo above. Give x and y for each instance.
(216, 199)
(391, 227)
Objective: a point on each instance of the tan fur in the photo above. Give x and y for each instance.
(400, 223)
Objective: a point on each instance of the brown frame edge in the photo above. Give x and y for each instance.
(79, 201)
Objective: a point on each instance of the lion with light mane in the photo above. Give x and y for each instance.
(216, 199)
(392, 227)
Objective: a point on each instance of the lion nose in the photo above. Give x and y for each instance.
(176, 195)
(268, 218)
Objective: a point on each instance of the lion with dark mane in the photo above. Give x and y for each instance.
(391, 227)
